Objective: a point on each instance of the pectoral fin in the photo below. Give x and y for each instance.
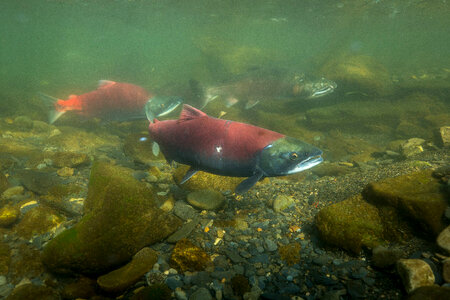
(245, 185)
(155, 149)
(191, 172)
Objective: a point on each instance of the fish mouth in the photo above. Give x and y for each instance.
(306, 164)
(169, 109)
(323, 88)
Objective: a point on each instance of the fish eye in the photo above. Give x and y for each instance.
(293, 156)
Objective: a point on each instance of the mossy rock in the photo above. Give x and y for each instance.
(69, 159)
(38, 220)
(359, 73)
(418, 196)
(188, 257)
(120, 219)
(5, 258)
(204, 181)
(290, 253)
(351, 224)
(8, 215)
(4, 184)
(31, 291)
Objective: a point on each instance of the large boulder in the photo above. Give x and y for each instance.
(416, 195)
(351, 224)
(358, 73)
(120, 219)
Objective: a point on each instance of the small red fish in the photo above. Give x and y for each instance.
(110, 101)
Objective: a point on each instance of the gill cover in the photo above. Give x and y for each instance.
(288, 156)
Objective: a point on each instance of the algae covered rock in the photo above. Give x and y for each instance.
(359, 73)
(351, 224)
(417, 195)
(203, 181)
(8, 215)
(206, 199)
(31, 291)
(188, 257)
(120, 218)
(4, 184)
(69, 159)
(124, 277)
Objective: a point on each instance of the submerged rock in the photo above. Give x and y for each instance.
(206, 199)
(188, 257)
(120, 218)
(4, 184)
(444, 134)
(358, 74)
(417, 195)
(430, 293)
(31, 291)
(443, 240)
(383, 257)
(351, 224)
(69, 159)
(120, 279)
(39, 182)
(415, 273)
(9, 215)
(203, 181)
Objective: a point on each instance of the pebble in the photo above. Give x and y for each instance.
(201, 294)
(183, 232)
(184, 211)
(12, 192)
(271, 245)
(282, 202)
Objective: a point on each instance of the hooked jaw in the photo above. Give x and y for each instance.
(306, 164)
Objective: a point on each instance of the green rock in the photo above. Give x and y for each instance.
(203, 180)
(69, 159)
(359, 73)
(124, 277)
(4, 184)
(281, 202)
(206, 199)
(31, 291)
(416, 195)
(8, 215)
(120, 218)
(430, 293)
(351, 224)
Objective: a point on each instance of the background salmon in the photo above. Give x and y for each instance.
(110, 101)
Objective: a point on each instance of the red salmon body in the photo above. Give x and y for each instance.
(230, 148)
(219, 146)
(114, 100)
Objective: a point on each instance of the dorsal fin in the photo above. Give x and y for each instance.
(104, 83)
(189, 113)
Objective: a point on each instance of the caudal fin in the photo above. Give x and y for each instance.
(49, 103)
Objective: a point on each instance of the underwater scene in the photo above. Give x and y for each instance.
(207, 149)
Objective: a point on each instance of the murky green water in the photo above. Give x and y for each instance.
(64, 47)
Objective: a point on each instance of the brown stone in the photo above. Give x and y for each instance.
(415, 273)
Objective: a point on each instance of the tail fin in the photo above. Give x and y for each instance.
(49, 102)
